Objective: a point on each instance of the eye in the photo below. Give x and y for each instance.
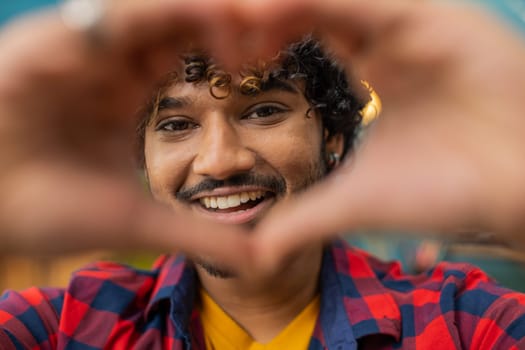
(265, 111)
(176, 125)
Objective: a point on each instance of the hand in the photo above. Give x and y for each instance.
(447, 153)
(67, 129)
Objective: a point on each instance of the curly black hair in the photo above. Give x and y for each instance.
(326, 86)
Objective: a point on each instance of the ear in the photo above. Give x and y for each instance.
(334, 143)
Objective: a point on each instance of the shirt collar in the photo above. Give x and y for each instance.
(354, 302)
(359, 294)
(176, 278)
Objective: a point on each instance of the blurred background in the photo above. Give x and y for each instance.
(504, 264)
(12, 8)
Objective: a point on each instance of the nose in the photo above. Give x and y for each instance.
(221, 151)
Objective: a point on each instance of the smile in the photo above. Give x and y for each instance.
(232, 201)
(235, 207)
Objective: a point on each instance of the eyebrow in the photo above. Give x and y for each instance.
(169, 102)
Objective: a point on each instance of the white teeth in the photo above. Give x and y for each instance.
(245, 197)
(222, 202)
(234, 201)
(231, 201)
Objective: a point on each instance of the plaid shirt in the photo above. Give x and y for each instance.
(364, 302)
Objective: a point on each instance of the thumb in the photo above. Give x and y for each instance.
(309, 218)
(384, 188)
(67, 210)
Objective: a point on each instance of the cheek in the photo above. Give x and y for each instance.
(295, 153)
(166, 168)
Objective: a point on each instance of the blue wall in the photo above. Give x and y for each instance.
(11, 8)
(512, 10)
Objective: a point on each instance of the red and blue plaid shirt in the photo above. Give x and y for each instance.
(364, 302)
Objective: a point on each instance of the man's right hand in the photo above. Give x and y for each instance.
(446, 155)
(446, 152)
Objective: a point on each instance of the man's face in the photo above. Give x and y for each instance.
(232, 159)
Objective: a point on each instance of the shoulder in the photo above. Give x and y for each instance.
(38, 318)
(454, 300)
(455, 303)
(480, 313)
(30, 318)
(103, 284)
(112, 305)
(454, 277)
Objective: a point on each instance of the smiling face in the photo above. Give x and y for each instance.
(231, 159)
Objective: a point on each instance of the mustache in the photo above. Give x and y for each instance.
(273, 183)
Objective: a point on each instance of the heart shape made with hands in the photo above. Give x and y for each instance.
(67, 138)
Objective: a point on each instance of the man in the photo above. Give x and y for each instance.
(203, 142)
(214, 142)
(227, 147)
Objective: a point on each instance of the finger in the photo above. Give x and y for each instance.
(276, 23)
(131, 25)
(353, 20)
(67, 210)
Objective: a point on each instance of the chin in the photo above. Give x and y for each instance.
(214, 269)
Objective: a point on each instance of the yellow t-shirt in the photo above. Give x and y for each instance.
(223, 333)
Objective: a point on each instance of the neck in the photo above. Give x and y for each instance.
(264, 309)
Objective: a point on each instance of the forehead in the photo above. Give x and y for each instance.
(180, 93)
